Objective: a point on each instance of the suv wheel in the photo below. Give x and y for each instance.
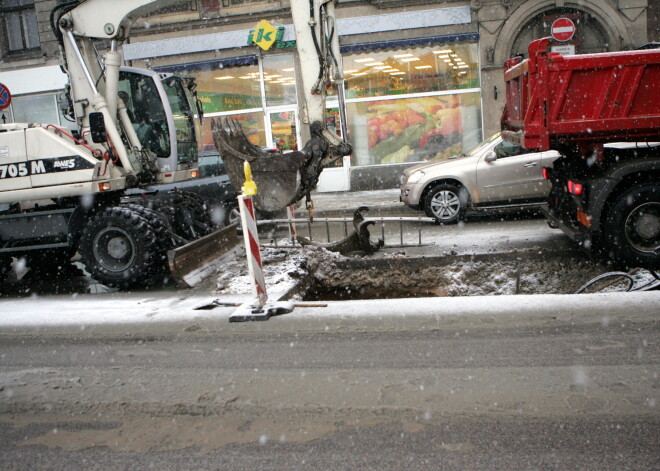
(446, 203)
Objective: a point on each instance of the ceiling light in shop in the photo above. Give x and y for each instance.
(397, 73)
(372, 64)
(350, 71)
(245, 77)
(447, 60)
(424, 67)
(411, 59)
(290, 69)
(463, 66)
(400, 56)
(382, 67)
(443, 51)
(359, 74)
(367, 59)
(226, 77)
(444, 56)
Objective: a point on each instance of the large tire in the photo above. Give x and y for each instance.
(447, 203)
(159, 224)
(119, 248)
(632, 231)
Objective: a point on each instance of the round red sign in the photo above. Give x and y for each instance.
(562, 29)
(5, 97)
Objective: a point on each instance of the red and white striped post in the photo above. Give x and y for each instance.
(251, 239)
(260, 309)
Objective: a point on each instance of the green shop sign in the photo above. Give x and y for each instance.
(217, 102)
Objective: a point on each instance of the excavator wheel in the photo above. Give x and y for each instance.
(158, 223)
(120, 248)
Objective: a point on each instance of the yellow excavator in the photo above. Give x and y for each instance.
(64, 191)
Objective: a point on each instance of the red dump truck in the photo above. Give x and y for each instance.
(602, 113)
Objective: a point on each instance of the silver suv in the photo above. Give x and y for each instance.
(496, 174)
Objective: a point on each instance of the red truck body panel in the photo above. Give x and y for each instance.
(589, 99)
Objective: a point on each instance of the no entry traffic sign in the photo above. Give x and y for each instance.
(5, 97)
(562, 29)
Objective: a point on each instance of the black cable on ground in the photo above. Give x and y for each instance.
(648, 286)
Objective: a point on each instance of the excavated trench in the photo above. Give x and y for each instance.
(331, 278)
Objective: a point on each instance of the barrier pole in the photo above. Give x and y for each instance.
(260, 309)
(251, 239)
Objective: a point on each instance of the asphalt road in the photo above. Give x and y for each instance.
(505, 394)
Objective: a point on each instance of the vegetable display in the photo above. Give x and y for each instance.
(413, 130)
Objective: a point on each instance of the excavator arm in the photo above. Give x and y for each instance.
(285, 178)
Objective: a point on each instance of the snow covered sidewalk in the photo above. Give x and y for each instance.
(140, 314)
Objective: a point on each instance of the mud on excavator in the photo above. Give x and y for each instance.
(63, 191)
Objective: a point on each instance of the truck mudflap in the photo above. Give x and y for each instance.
(282, 178)
(195, 261)
(575, 235)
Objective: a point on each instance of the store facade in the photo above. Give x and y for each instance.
(407, 99)
(423, 81)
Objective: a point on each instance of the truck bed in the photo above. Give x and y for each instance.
(554, 100)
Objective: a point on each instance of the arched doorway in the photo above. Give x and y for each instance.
(590, 36)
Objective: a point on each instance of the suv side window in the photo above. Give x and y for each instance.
(508, 149)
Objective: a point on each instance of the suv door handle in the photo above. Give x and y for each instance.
(531, 164)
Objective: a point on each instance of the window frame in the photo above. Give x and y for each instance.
(21, 9)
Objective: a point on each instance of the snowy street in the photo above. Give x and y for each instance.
(515, 380)
(162, 379)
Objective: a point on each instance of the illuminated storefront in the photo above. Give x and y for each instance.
(406, 101)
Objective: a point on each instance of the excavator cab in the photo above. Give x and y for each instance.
(169, 132)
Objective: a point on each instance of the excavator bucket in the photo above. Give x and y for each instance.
(281, 178)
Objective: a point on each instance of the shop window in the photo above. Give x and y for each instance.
(418, 70)
(279, 79)
(19, 20)
(251, 123)
(413, 129)
(229, 89)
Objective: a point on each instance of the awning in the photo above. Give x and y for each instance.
(211, 64)
(408, 43)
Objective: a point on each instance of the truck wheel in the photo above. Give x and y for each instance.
(119, 248)
(633, 230)
(446, 203)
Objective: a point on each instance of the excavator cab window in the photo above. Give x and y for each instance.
(146, 111)
(184, 118)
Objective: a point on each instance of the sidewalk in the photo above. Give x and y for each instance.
(381, 203)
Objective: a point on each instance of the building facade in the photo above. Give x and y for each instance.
(424, 78)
